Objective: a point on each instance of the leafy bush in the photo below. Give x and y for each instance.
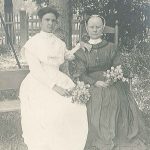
(137, 61)
(4, 49)
(132, 16)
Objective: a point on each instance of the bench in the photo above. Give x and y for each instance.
(11, 80)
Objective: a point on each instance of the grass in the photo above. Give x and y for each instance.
(10, 122)
(10, 132)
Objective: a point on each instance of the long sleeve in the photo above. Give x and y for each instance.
(81, 71)
(117, 59)
(37, 71)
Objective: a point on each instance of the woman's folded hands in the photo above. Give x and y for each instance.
(61, 91)
(101, 84)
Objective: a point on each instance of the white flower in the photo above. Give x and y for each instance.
(118, 67)
(120, 70)
(123, 79)
(105, 74)
(44, 4)
(108, 75)
(80, 93)
(115, 79)
(121, 74)
(119, 77)
(112, 74)
(127, 80)
(108, 71)
(112, 68)
(88, 85)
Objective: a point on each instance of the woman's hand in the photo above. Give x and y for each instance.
(69, 56)
(101, 84)
(61, 91)
(78, 46)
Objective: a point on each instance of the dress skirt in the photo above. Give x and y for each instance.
(115, 122)
(51, 121)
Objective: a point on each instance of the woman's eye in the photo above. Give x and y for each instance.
(99, 27)
(92, 27)
(53, 20)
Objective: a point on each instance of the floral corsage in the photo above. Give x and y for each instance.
(80, 93)
(114, 74)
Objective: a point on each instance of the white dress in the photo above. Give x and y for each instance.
(49, 121)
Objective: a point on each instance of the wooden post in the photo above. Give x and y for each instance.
(23, 27)
(65, 20)
(82, 30)
(10, 41)
(8, 11)
(69, 16)
(116, 33)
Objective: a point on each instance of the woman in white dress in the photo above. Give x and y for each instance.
(50, 121)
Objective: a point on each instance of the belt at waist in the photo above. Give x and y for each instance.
(97, 75)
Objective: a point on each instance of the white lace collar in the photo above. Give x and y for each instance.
(95, 41)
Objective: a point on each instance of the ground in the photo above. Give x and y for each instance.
(10, 123)
(10, 132)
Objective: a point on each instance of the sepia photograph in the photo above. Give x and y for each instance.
(74, 74)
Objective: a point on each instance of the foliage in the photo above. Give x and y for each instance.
(41, 3)
(4, 49)
(80, 93)
(137, 59)
(11, 132)
(131, 14)
(137, 62)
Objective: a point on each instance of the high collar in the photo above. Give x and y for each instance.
(95, 41)
(100, 45)
(46, 34)
(90, 47)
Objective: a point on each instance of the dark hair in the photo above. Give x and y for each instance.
(42, 11)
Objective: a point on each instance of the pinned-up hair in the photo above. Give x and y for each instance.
(95, 15)
(42, 11)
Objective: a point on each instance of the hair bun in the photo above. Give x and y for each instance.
(44, 10)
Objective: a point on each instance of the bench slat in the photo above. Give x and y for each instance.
(12, 79)
(9, 105)
(108, 29)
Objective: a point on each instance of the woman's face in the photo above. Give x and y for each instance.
(48, 22)
(94, 27)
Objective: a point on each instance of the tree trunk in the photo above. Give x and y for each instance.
(65, 20)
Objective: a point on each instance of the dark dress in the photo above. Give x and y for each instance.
(114, 121)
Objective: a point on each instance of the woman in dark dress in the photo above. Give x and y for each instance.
(114, 121)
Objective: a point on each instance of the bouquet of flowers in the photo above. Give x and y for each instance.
(115, 74)
(80, 93)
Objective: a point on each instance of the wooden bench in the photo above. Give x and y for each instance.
(11, 80)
